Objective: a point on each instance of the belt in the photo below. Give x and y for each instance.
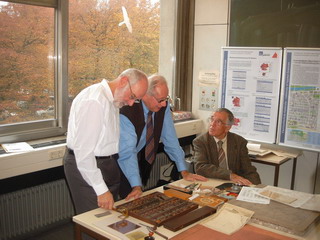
(70, 151)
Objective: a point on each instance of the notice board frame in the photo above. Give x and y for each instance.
(261, 66)
(296, 97)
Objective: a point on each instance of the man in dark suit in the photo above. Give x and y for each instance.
(229, 161)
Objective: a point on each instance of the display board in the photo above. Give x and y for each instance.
(300, 112)
(250, 88)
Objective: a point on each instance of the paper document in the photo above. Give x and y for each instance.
(249, 194)
(285, 154)
(17, 147)
(121, 228)
(312, 204)
(276, 196)
(255, 149)
(286, 196)
(229, 219)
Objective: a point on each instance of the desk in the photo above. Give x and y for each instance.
(87, 222)
(277, 161)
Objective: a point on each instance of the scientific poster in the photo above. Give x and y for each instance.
(250, 87)
(300, 114)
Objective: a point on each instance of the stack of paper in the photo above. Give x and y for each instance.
(17, 147)
(256, 150)
(229, 219)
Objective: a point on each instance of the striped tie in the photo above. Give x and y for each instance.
(222, 155)
(149, 152)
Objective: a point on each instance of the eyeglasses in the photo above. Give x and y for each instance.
(217, 122)
(133, 96)
(162, 100)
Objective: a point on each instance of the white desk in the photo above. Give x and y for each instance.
(86, 222)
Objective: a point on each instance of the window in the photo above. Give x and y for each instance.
(52, 49)
(31, 72)
(107, 37)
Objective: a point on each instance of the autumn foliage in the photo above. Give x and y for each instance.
(98, 48)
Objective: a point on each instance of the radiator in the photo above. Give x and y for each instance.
(161, 160)
(32, 209)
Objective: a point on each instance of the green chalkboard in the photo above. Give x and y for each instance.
(275, 23)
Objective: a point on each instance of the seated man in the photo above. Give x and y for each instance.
(222, 154)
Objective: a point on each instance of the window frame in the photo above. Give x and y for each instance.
(58, 126)
(181, 75)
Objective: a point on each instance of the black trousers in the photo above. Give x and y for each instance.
(83, 195)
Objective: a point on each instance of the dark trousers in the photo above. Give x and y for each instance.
(83, 195)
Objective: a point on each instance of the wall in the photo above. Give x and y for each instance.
(211, 33)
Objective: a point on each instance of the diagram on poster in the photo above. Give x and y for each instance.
(207, 98)
(250, 86)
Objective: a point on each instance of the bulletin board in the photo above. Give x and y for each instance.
(250, 88)
(300, 111)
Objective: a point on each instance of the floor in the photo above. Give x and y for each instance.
(61, 232)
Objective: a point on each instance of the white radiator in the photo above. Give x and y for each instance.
(161, 160)
(28, 210)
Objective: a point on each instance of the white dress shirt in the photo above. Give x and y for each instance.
(93, 130)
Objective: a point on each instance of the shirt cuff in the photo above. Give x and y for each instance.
(181, 166)
(100, 189)
(135, 182)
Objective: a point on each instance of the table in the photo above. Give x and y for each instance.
(88, 222)
(277, 161)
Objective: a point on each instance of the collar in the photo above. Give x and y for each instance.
(107, 91)
(223, 140)
(145, 109)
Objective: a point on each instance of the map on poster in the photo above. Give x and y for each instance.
(250, 87)
(300, 113)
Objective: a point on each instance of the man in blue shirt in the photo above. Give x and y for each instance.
(133, 134)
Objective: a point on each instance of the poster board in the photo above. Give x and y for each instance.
(300, 101)
(250, 88)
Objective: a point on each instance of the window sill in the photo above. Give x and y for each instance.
(49, 152)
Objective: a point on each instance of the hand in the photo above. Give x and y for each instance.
(238, 179)
(193, 177)
(135, 193)
(105, 200)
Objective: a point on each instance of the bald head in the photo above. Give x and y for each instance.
(157, 94)
(130, 86)
(156, 81)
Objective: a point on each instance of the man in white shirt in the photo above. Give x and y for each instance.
(90, 162)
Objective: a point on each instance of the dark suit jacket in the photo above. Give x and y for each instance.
(206, 158)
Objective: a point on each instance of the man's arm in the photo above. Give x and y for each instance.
(170, 141)
(84, 151)
(248, 170)
(173, 149)
(128, 161)
(91, 112)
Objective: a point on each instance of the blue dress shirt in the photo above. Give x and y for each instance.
(128, 148)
